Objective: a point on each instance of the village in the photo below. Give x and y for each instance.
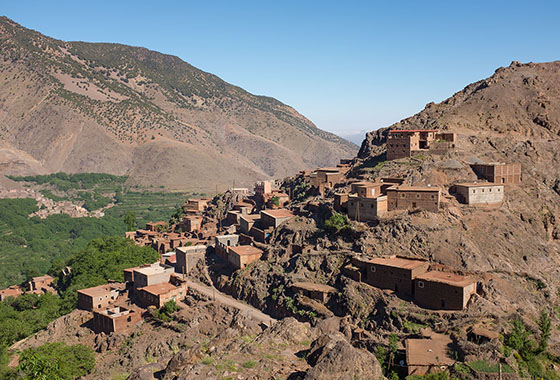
(238, 233)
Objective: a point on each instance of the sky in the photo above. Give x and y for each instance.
(348, 66)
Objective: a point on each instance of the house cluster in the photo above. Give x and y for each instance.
(117, 307)
(47, 206)
(324, 179)
(404, 143)
(413, 279)
(37, 285)
(164, 237)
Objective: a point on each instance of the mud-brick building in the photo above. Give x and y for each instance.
(196, 205)
(223, 242)
(443, 291)
(314, 291)
(394, 273)
(263, 188)
(191, 223)
(13, 291)
(429, 355)
(159, 294)
(340, 202)
(501, 173)
(98, 297)
(413, 198)
(41, 283)
(242, 255)
(478, 193)
(188, 257)
(401, 143)
(273, 218)
(156, 226)
(115, 320)
(367, 189)
(151, 274)
(366, 209)
(246, 222)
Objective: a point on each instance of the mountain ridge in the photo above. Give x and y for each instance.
(135, 101)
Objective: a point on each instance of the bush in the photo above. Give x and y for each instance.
(56, 361)
(336, 223)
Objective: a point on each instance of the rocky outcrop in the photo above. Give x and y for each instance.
(333, 358)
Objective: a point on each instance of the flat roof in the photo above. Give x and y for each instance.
(280, 213)
(245, 250)
(158, 289)
(414, 188)
(153, 269)
(479, 184)
(251, 217)
(43, 278)
(428, 352)
(161, 223)
(447, 278)
(188, 248)
(314, 287)
(329, 169)
(412, 130)
(96, 291)
(398, 262)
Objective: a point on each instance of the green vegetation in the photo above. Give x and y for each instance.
(65, 182)
(249, 364)
(104, 259)
(164, 314)
(54, 361)
(430, 376)
(33, 246)
(529, 349)
(337, 222)
(488, 367)
(275, 201)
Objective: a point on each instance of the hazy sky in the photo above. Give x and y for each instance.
(346, 65)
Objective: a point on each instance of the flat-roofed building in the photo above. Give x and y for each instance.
(196, 204)
(243, 255)
(429, 355)
(263, 188)
(401, 143)
(159, 294)
(479, 193)
(319, 292)
(156, 226)
(115, 320)
(191, 223)
(366, 209)
(152, 274)
(188, 257)
(223, 242)
(443, 291)
(413, 198)
(367, 189)
(246, 222)
(500, 173)
(98, 297)
(395, 273)
(273, 218)
(340, 202)
(41, 283)
(13, 291)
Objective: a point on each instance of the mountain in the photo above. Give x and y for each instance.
(100, 107)
(512, 116)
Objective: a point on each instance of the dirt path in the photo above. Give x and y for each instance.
(212, 293)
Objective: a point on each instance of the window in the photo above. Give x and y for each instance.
(373, 269)
(417, 195)
(421, 284)
(402, 195)
(433, 196)
(474, 191)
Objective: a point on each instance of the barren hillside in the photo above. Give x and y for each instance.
(96, 107)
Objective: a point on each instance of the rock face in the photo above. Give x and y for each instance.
(333, 358)
(151, 116)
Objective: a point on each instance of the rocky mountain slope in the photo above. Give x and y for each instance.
(97, 107)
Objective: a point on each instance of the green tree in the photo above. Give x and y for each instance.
(275, 201)
(130, 221)
(56, 361)
(336, 222)
(544, 324)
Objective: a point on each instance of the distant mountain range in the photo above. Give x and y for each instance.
(100, 107)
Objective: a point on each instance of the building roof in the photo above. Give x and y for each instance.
(251, 217)
(190, 248)
(97, 291)
(159, 289)
(310, 286)
(447, 278)
(46, 277)
(428, 352)
(479, 184)
(367, 185)
(161, 223)
(245, 250)
(414, 188)
(412, 130)
(279, 213)
(398, 262)
(153, 269)
(11, 291)
(329, 169)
